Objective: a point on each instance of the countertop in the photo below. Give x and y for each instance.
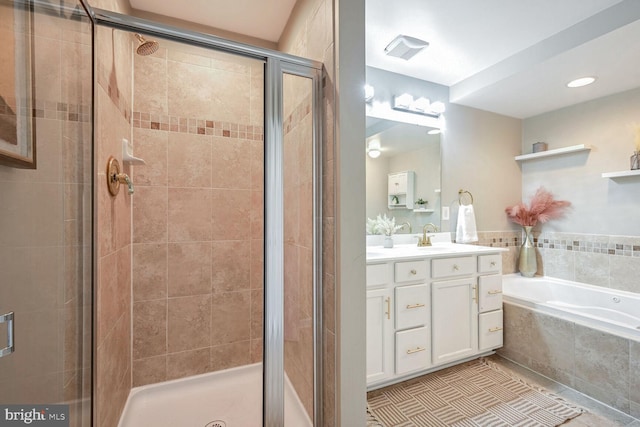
(437, 250)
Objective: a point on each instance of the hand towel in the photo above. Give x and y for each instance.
(466, 231)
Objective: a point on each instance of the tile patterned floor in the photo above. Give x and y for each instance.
(598, 415)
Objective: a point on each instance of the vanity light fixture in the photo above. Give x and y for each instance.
(369, 91)
(373, 148)
(422, 105)
(405, 47)
(582, 81)
(434, 132)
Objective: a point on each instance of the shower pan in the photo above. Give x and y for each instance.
(223, 245)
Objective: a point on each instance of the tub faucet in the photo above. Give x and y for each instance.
(426, 240)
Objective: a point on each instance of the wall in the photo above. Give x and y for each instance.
(197, 213)
(598, 242)
(45, 225)
(113, 285)
(309, 34)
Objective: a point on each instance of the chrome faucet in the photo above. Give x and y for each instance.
(408, 224)
(426, 240)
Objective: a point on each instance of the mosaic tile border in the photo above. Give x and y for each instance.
(65, 111)
(604, 244)
(299, 113)
(163, 122)
(615, 245)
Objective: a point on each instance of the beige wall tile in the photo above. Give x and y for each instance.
(231, 163)
(189, 160)
(149, 371)
(150, 215)
(257, 313)
(257, 263)
(231, 213)
(227, 356)
(187, 363)
(150, 145)
(186, 99)
(231, 262)
(149, 328)
(189, 323)
(149, 271)
(230, 317)
(150, 84)
(189, 269)
(189, 214)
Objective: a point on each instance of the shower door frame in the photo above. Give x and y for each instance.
(276, 65)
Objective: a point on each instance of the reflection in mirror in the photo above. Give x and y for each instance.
(403, 147)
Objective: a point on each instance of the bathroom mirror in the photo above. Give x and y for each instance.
(403, 147)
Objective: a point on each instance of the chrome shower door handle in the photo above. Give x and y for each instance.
(8, 319)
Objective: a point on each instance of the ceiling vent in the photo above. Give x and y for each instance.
(405, 47)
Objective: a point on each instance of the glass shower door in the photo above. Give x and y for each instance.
(45, 213)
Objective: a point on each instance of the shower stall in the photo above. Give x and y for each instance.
(188, 279)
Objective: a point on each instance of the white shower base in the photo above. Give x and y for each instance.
(233, 396)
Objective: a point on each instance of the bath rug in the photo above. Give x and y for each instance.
(473, 394)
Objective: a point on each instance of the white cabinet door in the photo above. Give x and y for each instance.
(454, 312)
(379, 335)
(398, 183)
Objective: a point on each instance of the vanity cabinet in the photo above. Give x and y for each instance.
(426, 313)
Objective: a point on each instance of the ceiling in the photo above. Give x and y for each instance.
(264, 19)
(509, 57)
(512, 57)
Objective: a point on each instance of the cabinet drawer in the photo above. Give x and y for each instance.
(377, 274)
(449, 267)
(412, 350)
(490, 293)
(490, 263)
(490, 330)
(411, 271)
(412, 306)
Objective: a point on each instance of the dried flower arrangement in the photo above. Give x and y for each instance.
(542, 208)
(382, 225)
(636, 131)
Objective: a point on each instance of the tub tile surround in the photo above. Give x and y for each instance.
(597, 364)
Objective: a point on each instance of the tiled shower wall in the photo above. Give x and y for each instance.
(298, 237)
(113, 287)
(197, 213)
(309, 34)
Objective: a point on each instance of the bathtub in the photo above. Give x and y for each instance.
(609, 310)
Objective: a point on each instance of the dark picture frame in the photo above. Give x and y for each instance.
(17, 139)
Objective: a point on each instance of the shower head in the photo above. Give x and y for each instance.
(146, 47)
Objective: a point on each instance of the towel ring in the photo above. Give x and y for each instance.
(461, 194)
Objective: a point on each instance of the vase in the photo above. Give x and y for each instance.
(527, 263)
(635, 161)
(388, 242)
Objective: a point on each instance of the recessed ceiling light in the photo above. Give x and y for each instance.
(582, 81)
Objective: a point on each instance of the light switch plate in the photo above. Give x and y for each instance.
(445, 213)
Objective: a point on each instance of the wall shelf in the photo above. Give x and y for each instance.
(621, 174)
(556, 152)
(423, 210)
